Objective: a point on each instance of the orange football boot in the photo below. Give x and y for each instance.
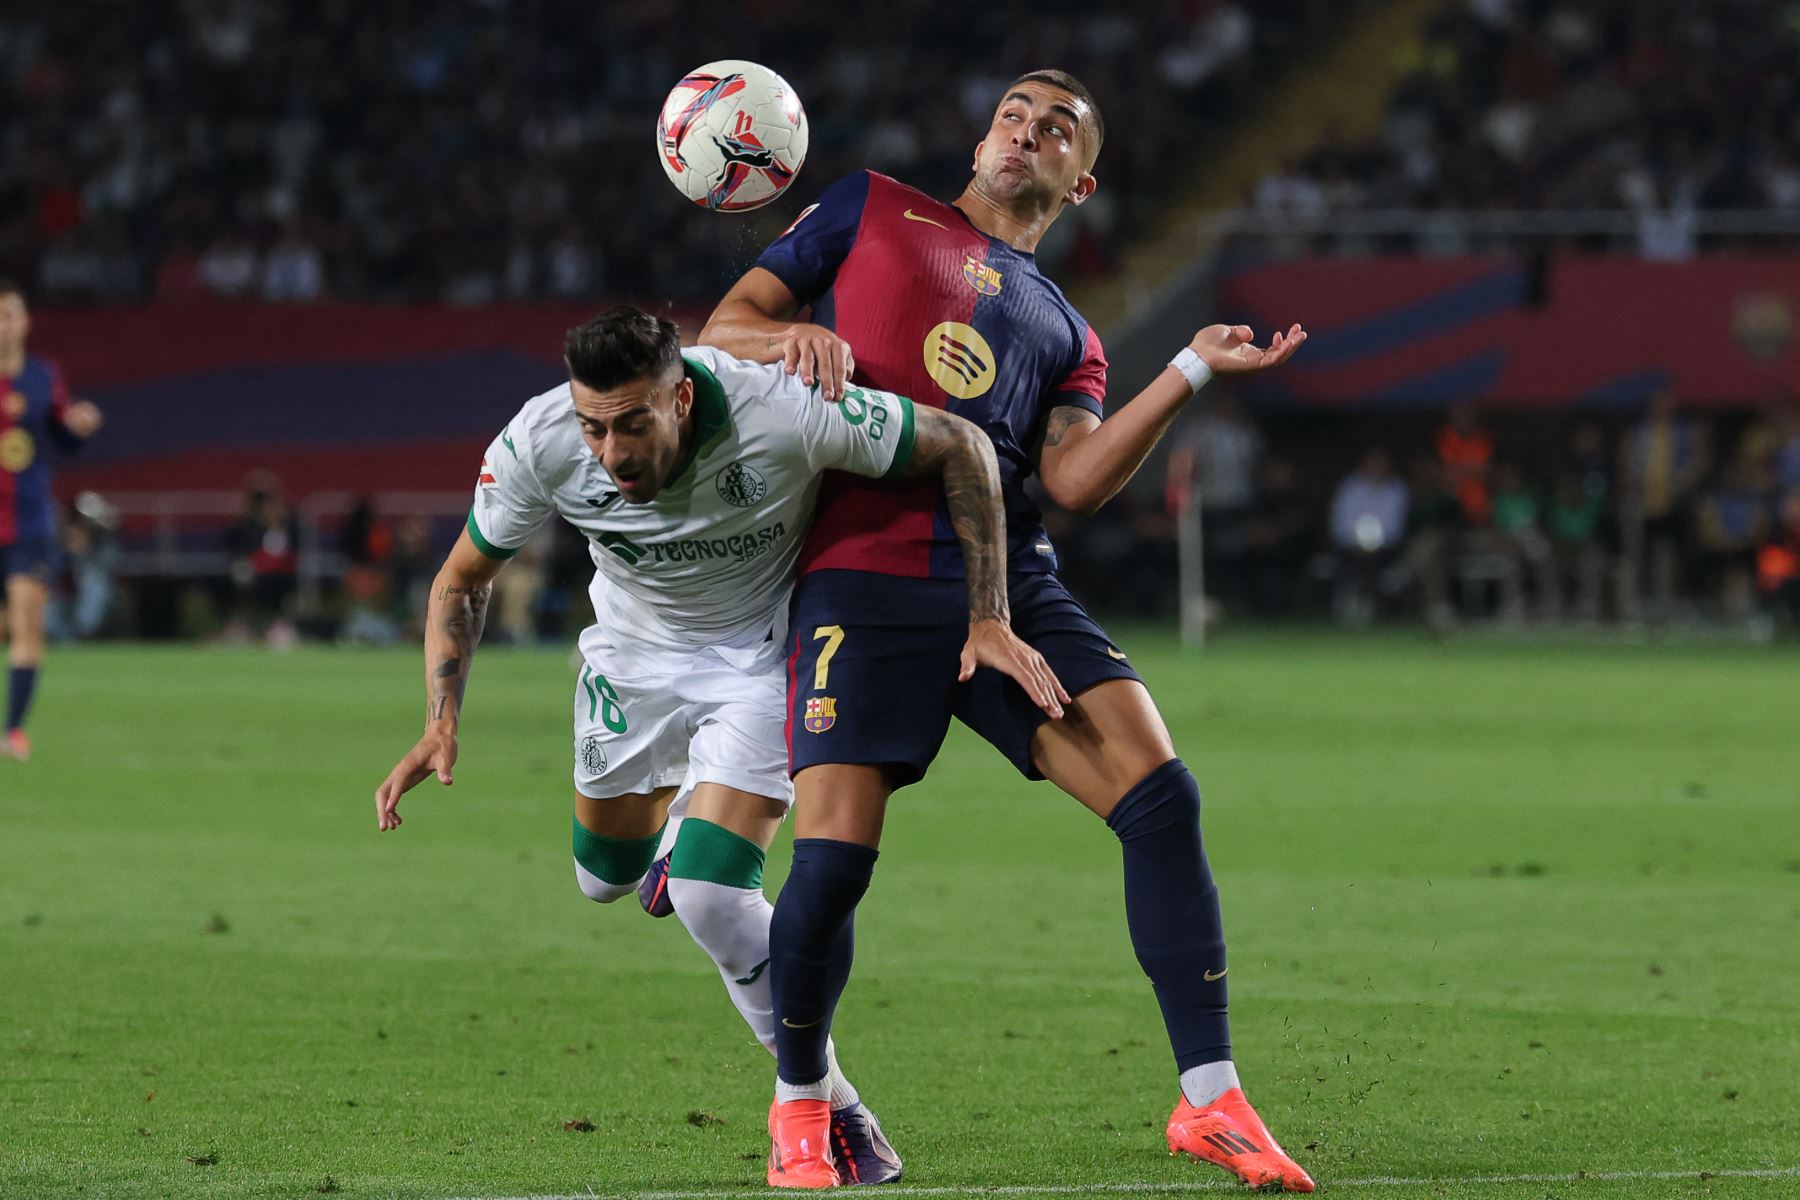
(18, 745)
(1228, 1133)
(800, 1145)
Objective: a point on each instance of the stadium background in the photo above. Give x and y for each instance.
(1503, 908)
(336, 246)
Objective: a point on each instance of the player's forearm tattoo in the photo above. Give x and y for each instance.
(457, 617)
(972, 495)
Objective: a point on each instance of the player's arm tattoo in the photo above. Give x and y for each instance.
(456, 617)
(952, 448)
(1062, 419)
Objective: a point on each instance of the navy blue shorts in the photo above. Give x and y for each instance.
(872, 662)
(35, 557)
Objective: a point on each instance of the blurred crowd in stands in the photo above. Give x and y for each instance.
(1654, 106)
(1678, 519)
(472, 151)
(1660, 521)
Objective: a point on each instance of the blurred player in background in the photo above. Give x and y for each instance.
(35, 410)
(944, 302)
(694, 479)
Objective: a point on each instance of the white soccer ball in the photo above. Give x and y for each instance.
(732, 135)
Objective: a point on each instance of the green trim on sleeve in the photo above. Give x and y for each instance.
(904, 451)
(486, 547)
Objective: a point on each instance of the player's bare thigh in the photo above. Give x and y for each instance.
(628, 817)
(753, 818)
(26, 599)
(1108, 739)
(639, 815)
(846, 802)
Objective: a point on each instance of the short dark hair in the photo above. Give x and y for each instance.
(621, 345)
(1075, 88)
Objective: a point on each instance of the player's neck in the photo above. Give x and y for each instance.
(1020, 230)
(12, 361)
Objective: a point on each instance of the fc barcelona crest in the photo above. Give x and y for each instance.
(981, 277)
(821, 713)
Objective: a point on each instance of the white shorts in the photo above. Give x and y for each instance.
(647, 718)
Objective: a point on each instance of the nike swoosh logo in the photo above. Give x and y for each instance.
(910, 215)
(1121, 658)
(804, 1025)
(1209, 976)
(753, 976)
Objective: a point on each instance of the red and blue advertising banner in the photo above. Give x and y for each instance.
(1568, 330)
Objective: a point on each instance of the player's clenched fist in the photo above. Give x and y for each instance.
(818, 356)
(435, 754)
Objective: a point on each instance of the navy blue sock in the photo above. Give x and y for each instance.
(1172, 909)
(21, 681)
(811, 944)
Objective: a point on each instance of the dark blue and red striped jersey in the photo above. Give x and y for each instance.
(937, 310)
(32, 407)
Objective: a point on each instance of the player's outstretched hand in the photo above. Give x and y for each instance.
(993, 644)
(82, 418)
(1228, 349)
(818, 356)
(435, 754)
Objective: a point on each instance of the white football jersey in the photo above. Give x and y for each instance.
(710, 561)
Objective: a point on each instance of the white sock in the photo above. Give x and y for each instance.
(671, 830)
(819, 1089)
(732, 926)
(728, 916)
(843, 1092)
(1205, 1083)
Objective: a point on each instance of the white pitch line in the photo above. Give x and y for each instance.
(1213, 1184)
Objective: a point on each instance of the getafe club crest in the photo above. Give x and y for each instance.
(981, 277)
(593, 756)
(741, 486)
(821, 713)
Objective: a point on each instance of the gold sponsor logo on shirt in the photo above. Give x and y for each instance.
(959, 359)
(17, 450)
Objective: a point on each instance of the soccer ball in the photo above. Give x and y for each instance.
(732, 135)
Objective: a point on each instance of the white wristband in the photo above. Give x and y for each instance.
(1193, 368)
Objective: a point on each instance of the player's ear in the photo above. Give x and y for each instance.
(976, 164)
(684, 397)
(1081, 189)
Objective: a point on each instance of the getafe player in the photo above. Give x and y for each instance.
(694, 479)
(945, 303)
(35, 409)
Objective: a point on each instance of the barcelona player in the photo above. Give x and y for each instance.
(35, 409)
(945, 303)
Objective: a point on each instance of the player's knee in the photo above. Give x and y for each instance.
(607, 868)
(598, 890)
(1166, 799)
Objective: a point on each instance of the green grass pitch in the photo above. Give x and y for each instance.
(1495, 912)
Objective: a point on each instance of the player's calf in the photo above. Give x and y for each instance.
(715, 887)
